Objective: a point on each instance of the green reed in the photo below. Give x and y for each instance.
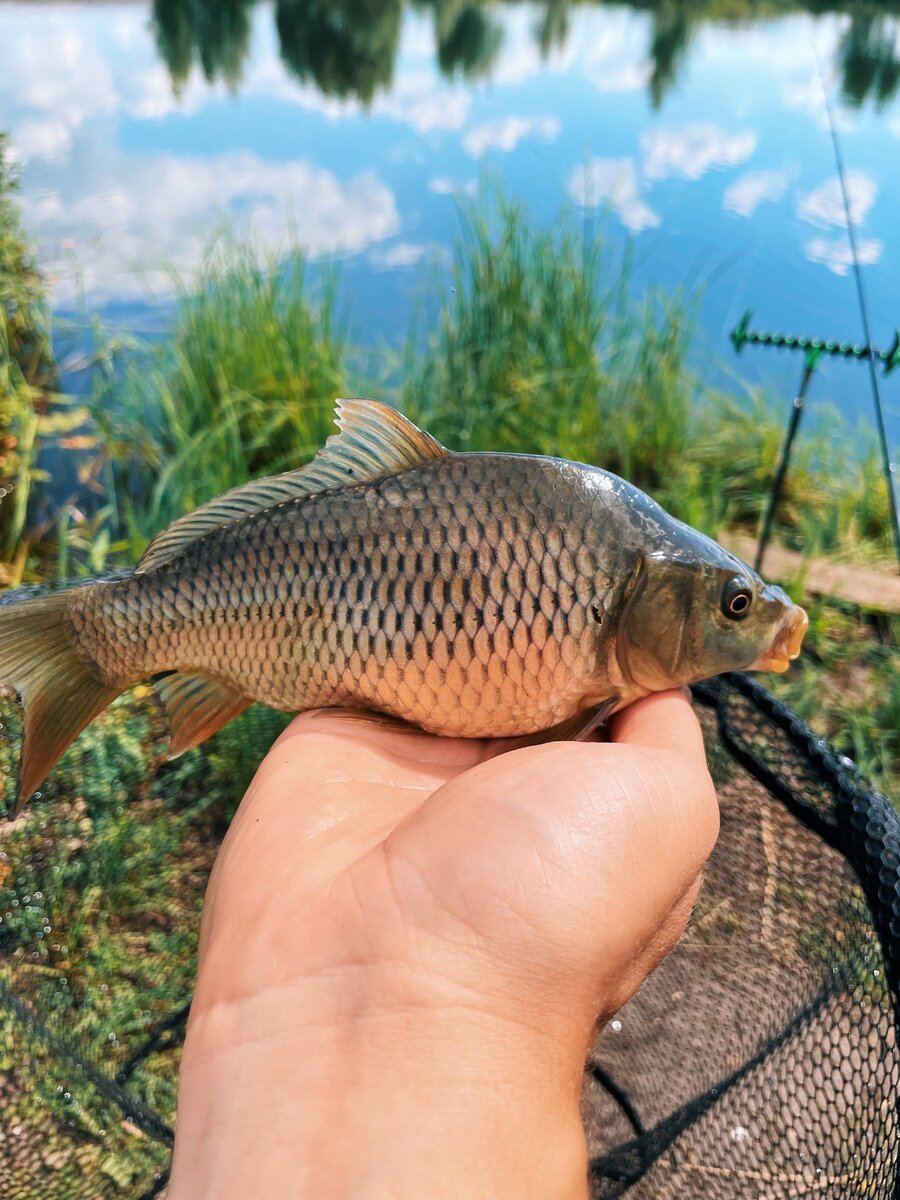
(27, 372)
(539, 347)
(244, 385)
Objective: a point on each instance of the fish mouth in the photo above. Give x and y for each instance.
(786, 643)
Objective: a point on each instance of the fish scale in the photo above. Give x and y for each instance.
(426, 595)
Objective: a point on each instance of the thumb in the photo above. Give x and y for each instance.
(570, 858)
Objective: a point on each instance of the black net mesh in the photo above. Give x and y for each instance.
(760, 1060)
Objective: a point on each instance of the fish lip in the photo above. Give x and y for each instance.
(786, 644)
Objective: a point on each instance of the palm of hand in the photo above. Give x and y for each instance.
(540, 879)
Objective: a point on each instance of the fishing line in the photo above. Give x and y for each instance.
(890, 468)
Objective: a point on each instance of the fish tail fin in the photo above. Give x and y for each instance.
(58, 692)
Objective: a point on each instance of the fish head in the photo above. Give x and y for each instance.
(695, 613)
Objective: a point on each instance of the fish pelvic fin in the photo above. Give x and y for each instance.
(197, 706)
(59, 693)
(576, 729)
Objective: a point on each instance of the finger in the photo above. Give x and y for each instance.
(584, 836)
(664, 721)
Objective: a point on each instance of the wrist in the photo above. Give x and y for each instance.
(319, 1089)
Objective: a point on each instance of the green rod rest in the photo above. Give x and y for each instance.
(743, 335)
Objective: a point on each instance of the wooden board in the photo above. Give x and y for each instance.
(864, 586)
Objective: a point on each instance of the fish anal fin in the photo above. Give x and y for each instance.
(197, 706)
(575, 729)
(375, 440)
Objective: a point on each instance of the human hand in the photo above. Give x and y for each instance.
(407, 944)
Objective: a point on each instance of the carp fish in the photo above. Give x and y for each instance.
(469, 594)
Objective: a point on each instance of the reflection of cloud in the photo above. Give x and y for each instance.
(44, 78)
(746, 194)
(174, 204)
(837, 256)
(442, 185)
(624, 77)
(128, 28)
(691, 150)
(506, 133)
(780, 46)
(46, 137)
(613, 181)
(825, 205)
(806, 96)
(613, 51)
(419, 99)
(401, 254)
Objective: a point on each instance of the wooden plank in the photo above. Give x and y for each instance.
(863, 586)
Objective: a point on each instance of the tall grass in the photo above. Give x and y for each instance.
(27, 372)
(244, 385)
(539, 348)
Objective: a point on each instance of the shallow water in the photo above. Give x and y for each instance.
(359, 126)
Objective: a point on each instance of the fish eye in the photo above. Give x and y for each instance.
(736, 599)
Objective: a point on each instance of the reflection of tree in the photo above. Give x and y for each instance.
(468, 41)
(553, 27)
(217, 33)
(346, 47)
(174, 27)
(672, 28)
(868, 60)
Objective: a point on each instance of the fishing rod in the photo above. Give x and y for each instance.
(890, 467)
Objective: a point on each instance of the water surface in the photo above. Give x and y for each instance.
(357, 127)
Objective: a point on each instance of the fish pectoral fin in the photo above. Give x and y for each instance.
(197, 706)
(368, 716)
(576, 729)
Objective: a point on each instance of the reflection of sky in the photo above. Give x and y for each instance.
(732, 180)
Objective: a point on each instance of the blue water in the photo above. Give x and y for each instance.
(728, 179)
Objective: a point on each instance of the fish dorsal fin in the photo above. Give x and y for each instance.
(374, 440)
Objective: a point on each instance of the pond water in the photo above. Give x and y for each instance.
(358, 125)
